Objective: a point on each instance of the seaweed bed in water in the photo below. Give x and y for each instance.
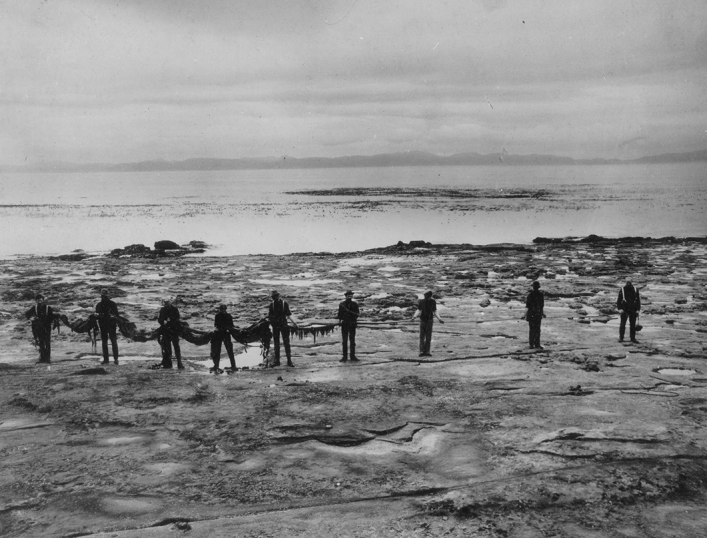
(430, 193)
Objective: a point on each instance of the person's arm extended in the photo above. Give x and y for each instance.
(288, 314)
(438, 318)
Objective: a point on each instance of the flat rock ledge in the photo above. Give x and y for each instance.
(588, 437)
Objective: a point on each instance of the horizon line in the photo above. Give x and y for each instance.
(272, 162)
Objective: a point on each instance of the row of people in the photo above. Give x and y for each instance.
(43, 317)
(279, 314)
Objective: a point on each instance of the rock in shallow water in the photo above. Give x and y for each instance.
(166, 245)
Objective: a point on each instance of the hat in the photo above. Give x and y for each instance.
(428, 294)
(275, 293)
(348, 293)
(39, 296)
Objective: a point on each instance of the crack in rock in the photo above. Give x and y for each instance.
(335, 440)
(14, 425)
(385, 431)
(358, 437)
(594, 437)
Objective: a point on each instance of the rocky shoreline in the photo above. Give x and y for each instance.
(587, 437)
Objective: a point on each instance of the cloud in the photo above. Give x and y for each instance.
(99, 80)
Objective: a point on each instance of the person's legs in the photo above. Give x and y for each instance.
(216, 350)
(632, 325)
(43, 336)
(536, 332)
(428, 336)
(276, 339)
(229, 349)
(104, 341)
(344, 341)
(286, 342)
(177, 350)
(422, 337)
(48, 344)
(622, 326)
(166, 350)
(352, 343)
(114, 341)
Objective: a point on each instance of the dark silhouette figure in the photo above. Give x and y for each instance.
(427, 310)
(223, 323)
(107, 312)
(348, 318)
(42, 317)
(535, 303)
(278, 314)
(629, 304)
(170, 326)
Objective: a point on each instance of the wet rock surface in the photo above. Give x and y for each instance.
(585, 437)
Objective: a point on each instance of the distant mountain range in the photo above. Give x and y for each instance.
(410, 158)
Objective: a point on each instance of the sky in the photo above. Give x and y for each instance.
(131, 80)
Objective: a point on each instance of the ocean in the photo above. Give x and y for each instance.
(340, 210)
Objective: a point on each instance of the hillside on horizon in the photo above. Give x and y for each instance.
(411, 158)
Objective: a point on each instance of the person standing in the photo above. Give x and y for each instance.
(427, 310)
(628, 304)
(107, 312)
(223, 323)
(170, 326)
(278, 314)
(535, 304)
(348, 318)
(42, 317)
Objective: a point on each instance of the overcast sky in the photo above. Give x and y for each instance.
(129, 80)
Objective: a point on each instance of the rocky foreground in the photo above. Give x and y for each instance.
(586, 438)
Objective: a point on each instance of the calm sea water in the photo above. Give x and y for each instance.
(247, 212)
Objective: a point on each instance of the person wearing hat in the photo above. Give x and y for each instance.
(107, 312)
(534, 304)
(628, 304)
(278, 314)
(427, 310)
(223, 323)
(42, 317)
(170, 326)
(348, 317)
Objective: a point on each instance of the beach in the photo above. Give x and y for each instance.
(585, 437)
(495, 157)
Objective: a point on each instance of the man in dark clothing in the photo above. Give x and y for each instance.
(107, 312)
(629, 304)
(278, 314)
(427, 310)
(535, 303)
(348, 317)
(42, 317)
(223, 323)
(169, 334)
